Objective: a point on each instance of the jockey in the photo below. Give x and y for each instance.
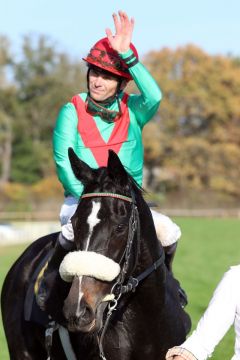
(103, 118)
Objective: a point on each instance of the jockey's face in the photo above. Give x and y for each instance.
(102, 85)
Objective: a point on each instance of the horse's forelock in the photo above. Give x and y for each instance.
(119, 183)
(108, 183)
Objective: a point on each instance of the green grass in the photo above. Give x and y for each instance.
(206, 250)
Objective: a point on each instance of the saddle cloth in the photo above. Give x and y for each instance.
(32, 311)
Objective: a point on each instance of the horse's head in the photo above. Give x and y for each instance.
(102, 226)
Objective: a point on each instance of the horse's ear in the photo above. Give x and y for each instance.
(116, 168)
(81, 170)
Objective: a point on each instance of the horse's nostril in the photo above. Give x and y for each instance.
(76, 313)
(81, 318)
(73, 321)
(87, 311)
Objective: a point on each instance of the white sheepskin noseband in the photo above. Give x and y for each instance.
(88, 263)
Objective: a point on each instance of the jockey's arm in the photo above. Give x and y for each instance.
(65, 136)
(146, 104)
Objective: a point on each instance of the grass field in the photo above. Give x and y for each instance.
(206, 250)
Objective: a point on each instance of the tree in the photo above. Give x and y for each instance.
(199, 114)
(45, 79)
(7, 92)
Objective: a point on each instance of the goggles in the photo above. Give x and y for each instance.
(95, 109)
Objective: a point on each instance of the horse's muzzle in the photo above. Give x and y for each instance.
(82, 312)
(79, 317)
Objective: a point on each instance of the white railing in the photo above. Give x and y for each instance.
(13, 231)
(25, 232)
(51, 216)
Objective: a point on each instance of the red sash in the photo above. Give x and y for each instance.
(91, 136)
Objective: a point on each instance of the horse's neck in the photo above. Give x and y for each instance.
(148, 299)
(151, 250)
(150, 247)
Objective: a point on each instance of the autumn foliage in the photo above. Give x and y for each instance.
(196, 134)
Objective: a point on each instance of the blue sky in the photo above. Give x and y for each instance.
(74, 26)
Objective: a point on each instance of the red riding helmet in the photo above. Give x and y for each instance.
(104, 57)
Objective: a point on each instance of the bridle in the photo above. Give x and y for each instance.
(122, 285)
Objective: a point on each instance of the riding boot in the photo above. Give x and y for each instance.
(169, 256)
(62, 247)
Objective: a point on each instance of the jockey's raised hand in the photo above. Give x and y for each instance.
(123, 32)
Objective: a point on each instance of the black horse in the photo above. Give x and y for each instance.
(112, 297)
